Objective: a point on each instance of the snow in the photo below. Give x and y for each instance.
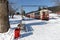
(53, 15)
(39, 30)
(7, 36)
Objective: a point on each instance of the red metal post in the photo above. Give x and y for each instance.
(17, 33)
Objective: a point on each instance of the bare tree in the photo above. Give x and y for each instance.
(11, 11)
(4, 19)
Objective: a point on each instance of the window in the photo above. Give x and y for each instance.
(36, 14)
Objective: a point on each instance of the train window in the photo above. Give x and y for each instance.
(43, 12)
(36, 14)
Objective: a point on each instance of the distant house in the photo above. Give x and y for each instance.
(39, 14)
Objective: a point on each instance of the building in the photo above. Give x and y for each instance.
(42, 14)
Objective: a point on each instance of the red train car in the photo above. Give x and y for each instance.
(43, 14)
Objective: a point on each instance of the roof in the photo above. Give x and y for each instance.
(33, 12)
(38, 11)
(46, 10)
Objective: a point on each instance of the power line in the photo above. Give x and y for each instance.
(33, 6)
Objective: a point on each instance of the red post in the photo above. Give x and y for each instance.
(17, 33)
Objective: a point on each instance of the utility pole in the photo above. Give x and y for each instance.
(21, 23)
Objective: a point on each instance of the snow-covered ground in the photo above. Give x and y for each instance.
(36, 29)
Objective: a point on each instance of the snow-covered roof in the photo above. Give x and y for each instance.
(45, 10)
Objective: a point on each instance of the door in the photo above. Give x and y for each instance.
(43, 16)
